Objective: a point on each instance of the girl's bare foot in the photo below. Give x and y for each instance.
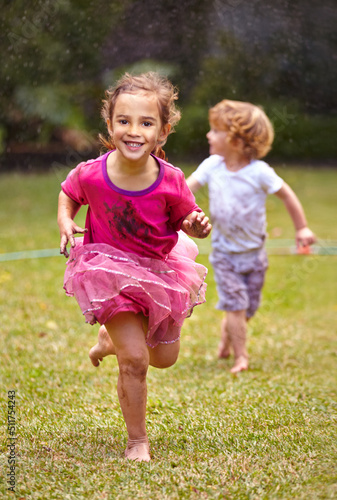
(241, 364)
(103, 348)
(138, 450)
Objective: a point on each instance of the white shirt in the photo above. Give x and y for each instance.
(237, 202)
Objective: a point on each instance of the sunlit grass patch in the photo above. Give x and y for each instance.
(269, 433)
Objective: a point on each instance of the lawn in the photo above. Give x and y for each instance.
(269, 433)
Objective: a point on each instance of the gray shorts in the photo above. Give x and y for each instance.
(239, 279)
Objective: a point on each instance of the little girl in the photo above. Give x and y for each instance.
(135, 271)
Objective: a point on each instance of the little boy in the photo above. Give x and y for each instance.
(238, 183)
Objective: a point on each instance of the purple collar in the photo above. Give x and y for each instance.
(124, 191)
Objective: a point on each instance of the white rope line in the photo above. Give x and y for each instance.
(273, 247)
(29, 254)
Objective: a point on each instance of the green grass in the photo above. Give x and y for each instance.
(269, 433)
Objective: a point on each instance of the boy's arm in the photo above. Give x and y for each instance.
(193, 184)
(67, 209)
(304, 235)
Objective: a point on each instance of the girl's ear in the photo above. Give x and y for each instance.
(108, 124)
(164, 132)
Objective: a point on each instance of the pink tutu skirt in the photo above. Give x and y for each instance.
(106, 281)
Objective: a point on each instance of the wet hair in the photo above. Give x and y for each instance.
(152, 82)
(245, 121)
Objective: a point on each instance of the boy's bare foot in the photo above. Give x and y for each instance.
(223, 349)
(138, 450)
(241, 364)
(103, 348)
(224, 344)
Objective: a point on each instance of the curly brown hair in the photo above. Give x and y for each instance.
(166, 93)
(245, 121)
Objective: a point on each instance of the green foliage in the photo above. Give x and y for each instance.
(2, 139)
(269, 433)
(51, 106)
(51, 48)
(300, 135)
(60, 56)
(251, 73)
(190, 137)
(142, 66)
(235, 71)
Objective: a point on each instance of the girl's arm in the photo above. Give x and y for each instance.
(197, 225)
(193, 184)
(304, 235)
(67, 209)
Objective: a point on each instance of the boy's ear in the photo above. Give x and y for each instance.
(237, 142)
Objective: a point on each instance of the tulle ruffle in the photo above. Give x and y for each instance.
(106, 281)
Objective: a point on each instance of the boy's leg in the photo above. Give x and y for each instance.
(233, 298)
(236, 326)
(224, 344)
(127, 335)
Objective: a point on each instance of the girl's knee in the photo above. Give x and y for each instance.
(133, 364)
(163, 362)
(164, 355)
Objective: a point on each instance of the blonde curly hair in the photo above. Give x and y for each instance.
(245, 121)
(166, 93)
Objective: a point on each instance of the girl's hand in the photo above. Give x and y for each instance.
(304, 237)
(67, 230)
(197, 225)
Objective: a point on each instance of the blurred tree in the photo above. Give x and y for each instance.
(308, 56)
(52, 62)
(58, 56)
(279, 56)
(261, 50)
(166, 31)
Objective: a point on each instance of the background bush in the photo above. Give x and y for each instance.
(59, 57)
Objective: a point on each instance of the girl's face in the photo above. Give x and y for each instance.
(136, 126)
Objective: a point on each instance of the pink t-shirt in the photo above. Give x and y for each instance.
(143, 222)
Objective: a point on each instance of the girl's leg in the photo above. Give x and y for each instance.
(236, 326)
(162, 356)
(127, 336)
(104, 347)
